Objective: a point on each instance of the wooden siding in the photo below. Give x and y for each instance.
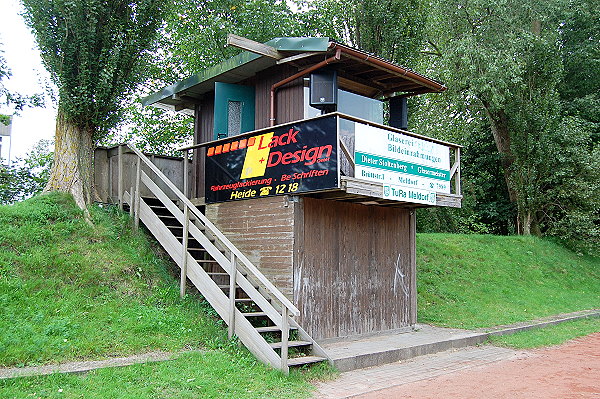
(263, 229)
(203, 131)
(354, 268)
(289, 98)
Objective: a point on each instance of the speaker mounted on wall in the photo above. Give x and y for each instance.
(323, 90)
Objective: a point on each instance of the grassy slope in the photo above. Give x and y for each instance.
(69, 291)
(478, 281)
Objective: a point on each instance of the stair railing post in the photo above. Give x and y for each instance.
(131, 201)
(186, 230)
(285, 331)
(185, 174)
(232, 283)
(120, 176)
(136, 202)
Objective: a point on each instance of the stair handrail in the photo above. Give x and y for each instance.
(274, 291)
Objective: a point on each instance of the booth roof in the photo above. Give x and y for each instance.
(371, 74)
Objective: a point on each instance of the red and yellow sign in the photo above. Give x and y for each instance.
(291, 159)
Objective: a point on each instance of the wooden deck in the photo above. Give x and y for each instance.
(370, 193)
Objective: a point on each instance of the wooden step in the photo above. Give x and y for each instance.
(271, 329)
(218, 274)
(254, 314)
(206, 260)
(246, 300)
(300, 361)
(196, 249)
(277, 345)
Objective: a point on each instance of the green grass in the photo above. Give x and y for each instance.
(196, 375)
(72, 291)
(471, 281)
(547, 336)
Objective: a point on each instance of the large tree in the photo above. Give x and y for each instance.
(526, 72)
(93, 50)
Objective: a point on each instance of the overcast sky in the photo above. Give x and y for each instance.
(28, 77)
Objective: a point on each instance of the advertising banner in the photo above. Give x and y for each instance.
(291, 159)
(399, 160)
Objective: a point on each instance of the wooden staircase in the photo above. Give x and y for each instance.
(252, 307)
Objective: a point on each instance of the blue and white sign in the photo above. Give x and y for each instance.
(412, 169)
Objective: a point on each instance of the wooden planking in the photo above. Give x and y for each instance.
(289, 98)
(263, 229)
(203, 131)
(355, 275)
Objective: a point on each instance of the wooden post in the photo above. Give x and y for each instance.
(111, 193)
(120, 177)
(285, 332)
(185, 174)
(131, 201)
(457, 178)
(232, 283)
(136, 202)
(186, 230)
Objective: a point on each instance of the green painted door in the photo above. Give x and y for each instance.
(234, 109)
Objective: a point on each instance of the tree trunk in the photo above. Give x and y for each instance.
(72, 171)
(501, 133)
(499, 127)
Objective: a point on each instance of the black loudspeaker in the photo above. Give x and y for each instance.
(323, 89)
(399, 113)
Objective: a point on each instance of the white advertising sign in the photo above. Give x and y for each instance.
(398, 160)
(407, 194)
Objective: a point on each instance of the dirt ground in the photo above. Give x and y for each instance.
(568, 371)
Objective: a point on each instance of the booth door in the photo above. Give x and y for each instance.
(354, 270)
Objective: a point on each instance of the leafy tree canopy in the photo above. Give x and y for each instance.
(95, 51)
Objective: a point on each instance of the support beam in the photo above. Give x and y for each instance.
(252, 46)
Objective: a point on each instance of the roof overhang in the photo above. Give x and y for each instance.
(358, 72)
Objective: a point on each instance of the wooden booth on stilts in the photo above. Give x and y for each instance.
(296, 163)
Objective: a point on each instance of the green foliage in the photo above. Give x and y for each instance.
(580, 45)
(391, 29)
(18, 182)
(510, 70)
(153, 130)
(547, 336)
(196, 34)
(70, 291)
(24, 178)
(471, 281)
(95, 52)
